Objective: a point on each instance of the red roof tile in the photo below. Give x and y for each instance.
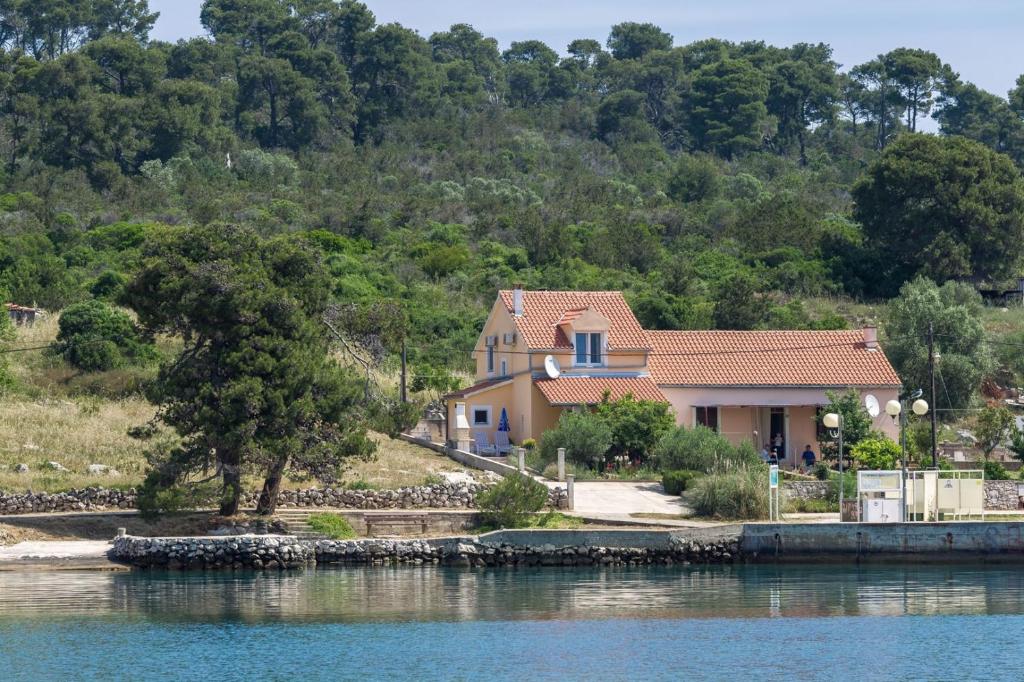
(767, 358)
(570, 390)
(476, 388)
(543, 310)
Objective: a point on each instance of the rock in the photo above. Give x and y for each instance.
(56, 466)
(21, 468)
(98, 469)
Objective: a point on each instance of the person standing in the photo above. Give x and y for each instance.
(808, 457)
(778, 442)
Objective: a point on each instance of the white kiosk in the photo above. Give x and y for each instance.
(879, 496)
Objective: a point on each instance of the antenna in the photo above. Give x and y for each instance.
(551, 367)
(871, 403)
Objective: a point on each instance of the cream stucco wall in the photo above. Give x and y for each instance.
(739, 417)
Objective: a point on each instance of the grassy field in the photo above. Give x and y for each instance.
(56, 414)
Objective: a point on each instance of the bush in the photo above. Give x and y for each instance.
(585, 437)
(995, 471)
(876, 452)
(636, 425)
(738, 494)
(849, 482)
(821, 471)
(95, 337)
(529, 444)
(701, 449)
(675, 482)
(333, 526)
(508, 504)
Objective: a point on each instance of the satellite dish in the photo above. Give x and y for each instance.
(551, 367)
(871, 403)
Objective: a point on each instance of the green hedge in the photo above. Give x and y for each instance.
(675, 482)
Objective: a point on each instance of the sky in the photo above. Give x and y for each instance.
(979, 38)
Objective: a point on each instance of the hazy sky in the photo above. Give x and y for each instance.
(979, 38)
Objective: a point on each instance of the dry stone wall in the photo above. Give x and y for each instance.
(438, 496)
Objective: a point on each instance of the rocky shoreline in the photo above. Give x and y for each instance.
(285, 552)
(437, 496)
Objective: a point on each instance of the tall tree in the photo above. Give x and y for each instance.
(945, 207)
(802, 92)
(916, 74)
(954, 313)
(726, 107)
(254, 386)
(631, 40)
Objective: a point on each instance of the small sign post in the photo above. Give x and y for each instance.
(773, 493)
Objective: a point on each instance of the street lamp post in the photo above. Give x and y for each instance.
(834, 420)
(897, 410)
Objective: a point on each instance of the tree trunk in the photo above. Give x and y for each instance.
(232, 493)
(271, 487)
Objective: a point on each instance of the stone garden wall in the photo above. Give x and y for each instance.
(439, 496)
(1001, 495)
(805, 490)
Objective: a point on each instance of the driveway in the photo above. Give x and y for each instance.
(613, 498)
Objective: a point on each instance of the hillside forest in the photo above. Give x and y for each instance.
(721, 185)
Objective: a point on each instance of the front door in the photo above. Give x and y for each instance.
(777, 431)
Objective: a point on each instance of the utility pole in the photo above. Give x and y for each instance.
(931, 379)
(404, 396)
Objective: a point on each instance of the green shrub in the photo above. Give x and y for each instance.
(508, 504)
(333, 526)
(636, 425)
(849, 481)
(529, 444)
(701, 449)
(585, 437)
(738, 494)
(359, 485)
(812, 506)
(675, 482)
(995, 471)
(155, 499)
(876, 452)
(821, 471)
(94, 337)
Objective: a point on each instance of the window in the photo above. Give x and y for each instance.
(482, 416)
(490, 359)
(588, 349)
(706, 416)
(504, 368)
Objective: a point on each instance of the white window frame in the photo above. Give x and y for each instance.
(490, 360)
(589, 350)
(483, 408)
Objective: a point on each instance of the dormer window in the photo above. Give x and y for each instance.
(589, 349)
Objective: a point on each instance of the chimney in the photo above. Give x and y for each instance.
(517, 300)
(871, 338)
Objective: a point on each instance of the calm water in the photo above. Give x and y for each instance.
(756, 622)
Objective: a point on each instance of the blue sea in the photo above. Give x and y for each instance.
(757, 622)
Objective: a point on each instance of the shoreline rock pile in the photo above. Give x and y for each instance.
(280, 552)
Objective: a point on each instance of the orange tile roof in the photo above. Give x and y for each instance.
(543, 310)
(767, 358)
(477, 387)
(570, 390)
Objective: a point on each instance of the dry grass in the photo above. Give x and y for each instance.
(56, 414)
(75, 433)
(399, 464)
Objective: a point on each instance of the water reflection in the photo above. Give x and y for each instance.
(439, 594)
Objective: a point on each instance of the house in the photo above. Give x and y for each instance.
(747, 385)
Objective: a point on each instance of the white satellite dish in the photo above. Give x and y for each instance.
(551, 367)
(871, 403)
